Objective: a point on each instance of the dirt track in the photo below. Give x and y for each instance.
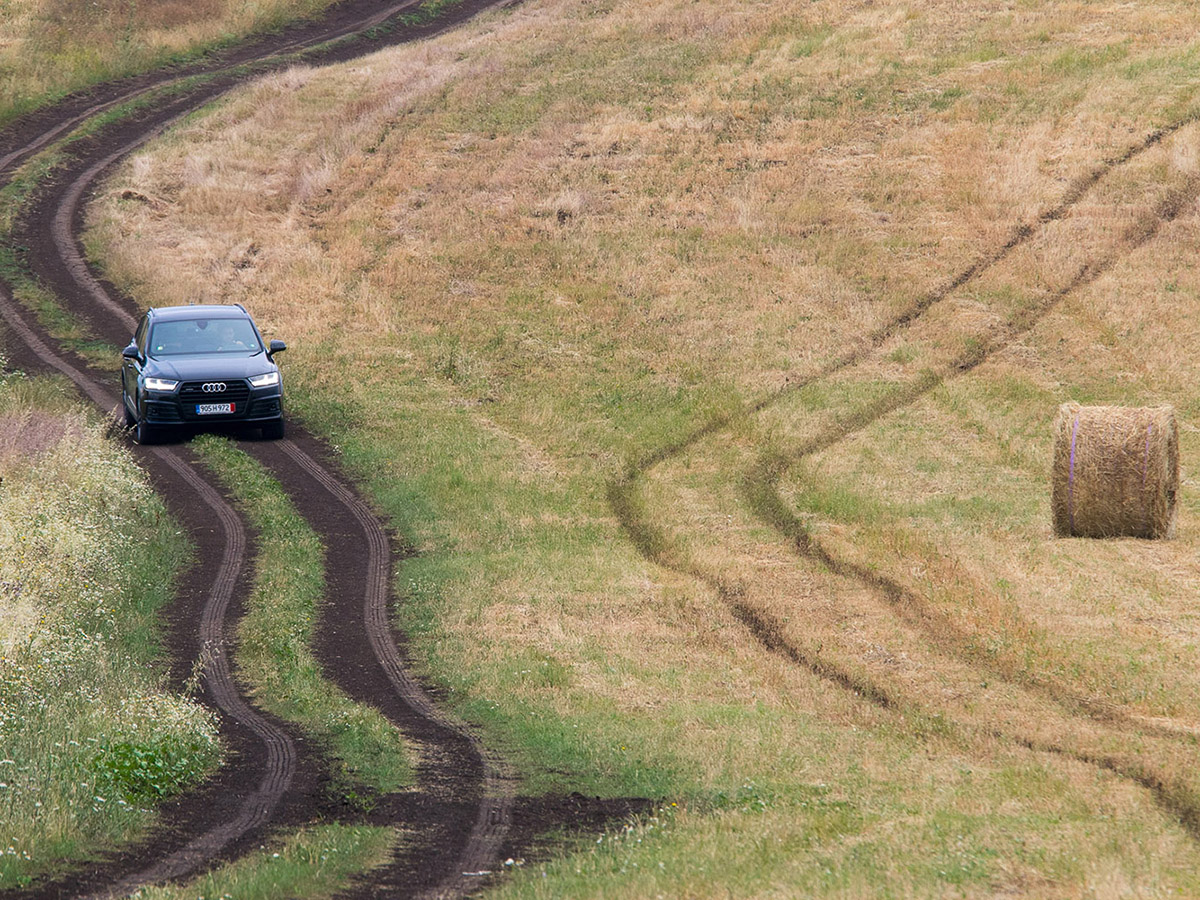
(462, 806)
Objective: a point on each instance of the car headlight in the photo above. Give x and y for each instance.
(266, 380)
(160, 384)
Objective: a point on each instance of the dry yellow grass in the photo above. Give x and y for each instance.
(551, 244)
(50, 47)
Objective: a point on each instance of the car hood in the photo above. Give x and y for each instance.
(209, 368)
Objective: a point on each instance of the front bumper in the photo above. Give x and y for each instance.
(250, 405)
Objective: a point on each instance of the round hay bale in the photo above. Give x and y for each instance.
(1116, 471)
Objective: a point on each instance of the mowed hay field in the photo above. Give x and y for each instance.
(707, 357)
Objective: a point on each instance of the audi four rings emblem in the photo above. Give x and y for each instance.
(213, 387)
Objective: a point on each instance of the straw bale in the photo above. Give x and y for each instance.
(1116, 471)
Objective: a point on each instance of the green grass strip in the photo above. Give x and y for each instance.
(313, 863)
(275, 637)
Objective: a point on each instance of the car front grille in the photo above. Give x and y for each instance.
(234, 392)
(192, 393)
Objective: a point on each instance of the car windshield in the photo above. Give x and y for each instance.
(182, 336)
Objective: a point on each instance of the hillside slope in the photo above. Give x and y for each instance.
(707, 357)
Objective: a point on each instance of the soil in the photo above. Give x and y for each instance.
(463, 812)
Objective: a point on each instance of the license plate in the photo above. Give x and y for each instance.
(213, 409)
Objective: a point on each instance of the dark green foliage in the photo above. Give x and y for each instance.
(151, 772)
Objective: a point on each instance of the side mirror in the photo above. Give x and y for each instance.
(276, 347)
(131, 352)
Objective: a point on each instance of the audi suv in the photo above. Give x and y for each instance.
(200, 366)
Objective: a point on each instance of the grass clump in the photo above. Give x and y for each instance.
(90, 735)
(275, 636)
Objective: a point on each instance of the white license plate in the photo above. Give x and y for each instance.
(213, 409)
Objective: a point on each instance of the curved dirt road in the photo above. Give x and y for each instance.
(461, 807)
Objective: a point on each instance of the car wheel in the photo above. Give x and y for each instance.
(130, 418)
(273, 431)
(145, 434)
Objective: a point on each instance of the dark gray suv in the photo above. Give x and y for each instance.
(199, 366)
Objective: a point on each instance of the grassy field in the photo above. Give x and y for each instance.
(49, 48)
(707, 356)
(91, 740)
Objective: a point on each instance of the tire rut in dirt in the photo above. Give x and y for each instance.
(454, 757)
(47, 233)
(38, 129)
(463, 808)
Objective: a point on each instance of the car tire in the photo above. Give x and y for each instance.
(145, 434)
(273, 431)
(130, 418)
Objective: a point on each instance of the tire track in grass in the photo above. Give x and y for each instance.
(1019, 236)
(761, 485)
(472, 793)
(651, 541)
(1175, 798)
(761, 490)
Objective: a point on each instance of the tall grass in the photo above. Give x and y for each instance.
(91, 739)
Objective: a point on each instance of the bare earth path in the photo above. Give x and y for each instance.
(461, 808)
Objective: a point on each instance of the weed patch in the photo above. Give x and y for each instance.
(150, 772)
